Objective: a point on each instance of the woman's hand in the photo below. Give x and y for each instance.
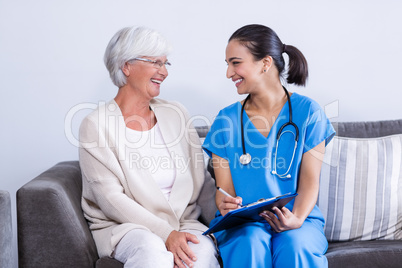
(177, 243)
(229, 203)
(282, 220)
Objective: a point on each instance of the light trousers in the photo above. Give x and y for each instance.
(142, 248)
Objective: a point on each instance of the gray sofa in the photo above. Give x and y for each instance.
(52, 231)
(5, 230)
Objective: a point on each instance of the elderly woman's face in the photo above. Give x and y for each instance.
(145, 77)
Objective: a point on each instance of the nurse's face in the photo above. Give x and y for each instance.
(244, 71)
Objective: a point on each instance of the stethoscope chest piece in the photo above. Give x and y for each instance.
(245, 159)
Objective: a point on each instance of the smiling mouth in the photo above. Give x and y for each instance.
(156, 81)
(238, 81)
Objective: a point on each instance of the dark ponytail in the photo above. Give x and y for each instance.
(262, 41)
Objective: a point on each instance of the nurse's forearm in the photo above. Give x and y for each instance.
(309, 181)
(304, 203)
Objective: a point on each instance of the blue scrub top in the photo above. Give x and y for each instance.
(255, 180)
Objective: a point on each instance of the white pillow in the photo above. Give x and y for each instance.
(361, 188)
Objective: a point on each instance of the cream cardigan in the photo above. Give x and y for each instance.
(117, 198)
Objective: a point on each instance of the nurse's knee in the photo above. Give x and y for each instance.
(292, 238)
(300, 241)
(251, 234)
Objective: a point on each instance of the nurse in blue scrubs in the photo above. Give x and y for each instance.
(293, 235)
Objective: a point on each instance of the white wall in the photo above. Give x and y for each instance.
(51, 60)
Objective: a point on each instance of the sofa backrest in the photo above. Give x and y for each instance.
(372, 129)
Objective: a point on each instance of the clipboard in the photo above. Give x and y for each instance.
(249, 213)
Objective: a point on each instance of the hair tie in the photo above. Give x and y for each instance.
(283, 48)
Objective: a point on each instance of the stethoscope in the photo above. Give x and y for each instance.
(245, 158)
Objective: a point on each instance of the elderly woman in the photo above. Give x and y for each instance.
(142, 164)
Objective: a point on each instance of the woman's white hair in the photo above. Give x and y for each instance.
(130, 43)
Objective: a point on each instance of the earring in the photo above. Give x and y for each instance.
(265, 70)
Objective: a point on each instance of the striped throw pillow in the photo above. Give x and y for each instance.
(361, 189)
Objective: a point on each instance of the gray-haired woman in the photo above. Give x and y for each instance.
(142, 164)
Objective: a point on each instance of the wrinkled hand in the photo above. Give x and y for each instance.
(229, 203)
(282, 220)
(177, 244)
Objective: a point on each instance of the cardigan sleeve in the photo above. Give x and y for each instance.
(104, 200)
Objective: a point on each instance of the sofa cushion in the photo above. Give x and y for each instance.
(106, 262)
(363, 254)
(361, 188)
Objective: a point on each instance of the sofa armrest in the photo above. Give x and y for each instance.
(5, 230)
(52, 231)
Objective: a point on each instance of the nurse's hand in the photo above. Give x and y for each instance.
(229, 203)
(282, 220)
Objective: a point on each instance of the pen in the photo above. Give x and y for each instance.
(225, 193)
